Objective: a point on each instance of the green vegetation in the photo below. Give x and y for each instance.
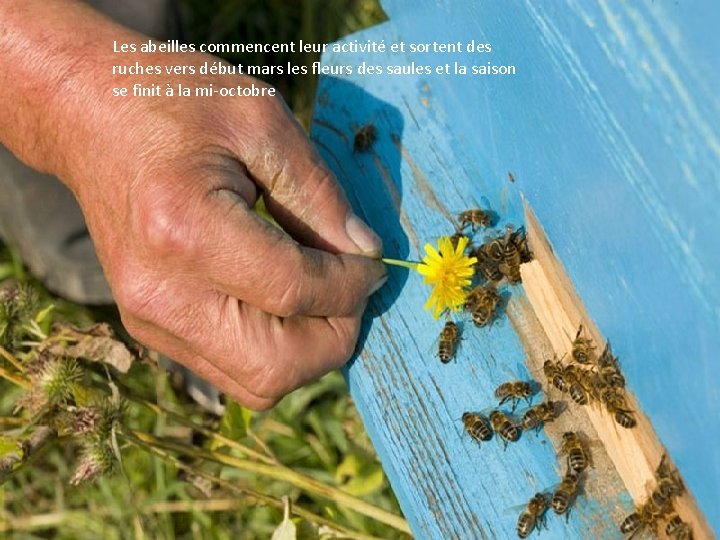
(88, 452)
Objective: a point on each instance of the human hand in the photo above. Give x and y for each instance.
(198, 276)
(166, 186)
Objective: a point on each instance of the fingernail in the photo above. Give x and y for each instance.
(363, 236)
(377, 285)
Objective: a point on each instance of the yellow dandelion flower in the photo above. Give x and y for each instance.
(450, 273)
(448, 270)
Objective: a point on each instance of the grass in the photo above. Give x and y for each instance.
(185, 474)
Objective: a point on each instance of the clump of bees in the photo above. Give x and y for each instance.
(591, 378)
(587, 377)
(498, 258)
(508, 427)
(561, 499)
(659, 506)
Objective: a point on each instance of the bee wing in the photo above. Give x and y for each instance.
(587, 443)
(518, 508)
(433, 347)
(515, 510)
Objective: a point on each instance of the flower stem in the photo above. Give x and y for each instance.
(283, 474)
(11, 358)
(17, 379)
(168, 458)
(399, 262)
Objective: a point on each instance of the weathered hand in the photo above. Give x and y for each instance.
(166, 186)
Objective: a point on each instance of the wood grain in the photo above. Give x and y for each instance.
(634, 453)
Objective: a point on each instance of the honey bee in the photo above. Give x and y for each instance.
(574, 378)
(494, 249)
(582, 348)
(642, 518)
(619, 409)
(658, 505)
(669, 483)
(532, 516)
(535, 416)
(476, 218)
(477, 426)
(678, 529)
(449, 338)
(365, 137)
(608, 369)
(503, 426)
(577, 454)
(520, 240)
(510, 264)
(486, 265)
(515, 391)
(565, 493)
(481, 303)
(553, 371)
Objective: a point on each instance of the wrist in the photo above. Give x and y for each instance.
(55, 80)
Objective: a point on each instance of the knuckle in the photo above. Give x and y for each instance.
(287, 291)
(161, 225)
(326, 192)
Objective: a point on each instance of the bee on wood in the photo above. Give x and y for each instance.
(574, 378)
(365, 137)
(658, 505)
(486, 265)
(510, 264)
(515, 391)
(520, 240)
(644, 517)
(678, 529)
(582, 348)
(504, 427)
(536, 416)
(477, 426)
(449, 338)
(475, 218)
(494, 249)
(533, 515)
(669, 483)
(577, 454)
(565, 493)
(617, 406)
(609, 370)
(553, 371)
(482, 303)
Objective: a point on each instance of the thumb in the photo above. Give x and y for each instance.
(299, 189)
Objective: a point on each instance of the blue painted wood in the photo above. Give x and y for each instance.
(610, 128)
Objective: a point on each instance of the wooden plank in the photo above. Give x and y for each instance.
(610, 131)
(634, 453)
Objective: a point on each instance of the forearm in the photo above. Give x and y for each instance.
(55, 80)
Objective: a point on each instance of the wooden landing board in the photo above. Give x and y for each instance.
(610, 131)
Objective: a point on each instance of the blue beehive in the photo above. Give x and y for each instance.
(609, 128)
